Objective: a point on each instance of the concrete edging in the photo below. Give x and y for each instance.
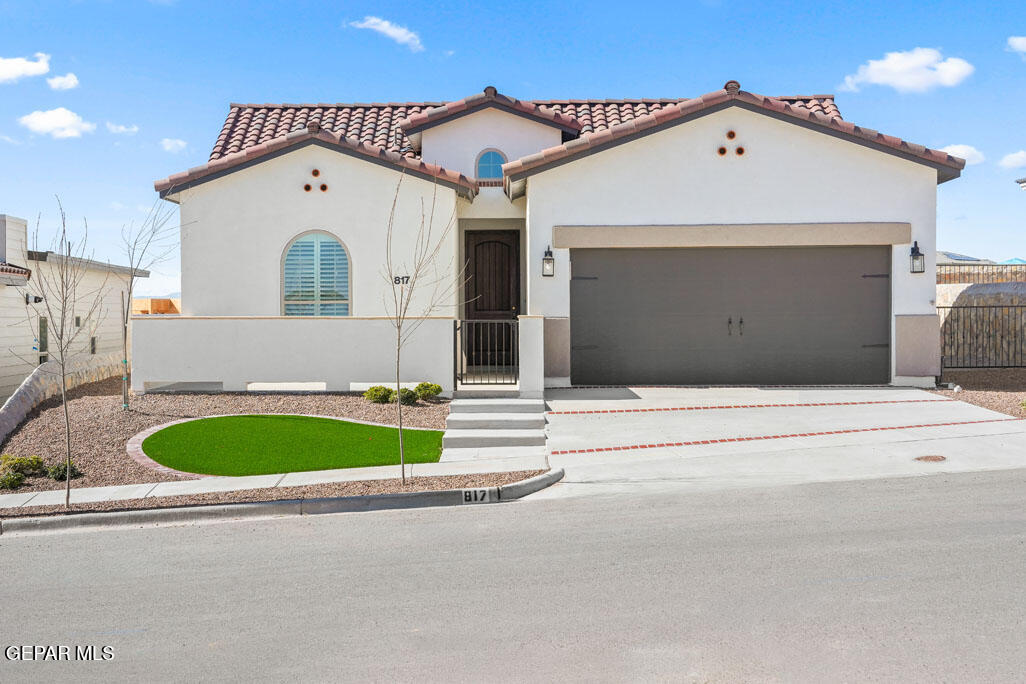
(288, 507)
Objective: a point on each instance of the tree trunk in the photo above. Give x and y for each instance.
(399, 405)
(124, 355)
(67, 438)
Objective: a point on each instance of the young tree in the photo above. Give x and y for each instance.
(144, 245)
(64, 296)
(420, 277)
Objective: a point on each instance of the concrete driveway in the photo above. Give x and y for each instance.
(624, 439)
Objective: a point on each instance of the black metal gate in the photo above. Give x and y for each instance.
(983, 336)
(487, 352)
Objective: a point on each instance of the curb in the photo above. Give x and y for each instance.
(289, 507)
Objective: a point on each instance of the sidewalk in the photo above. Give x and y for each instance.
(228, 484)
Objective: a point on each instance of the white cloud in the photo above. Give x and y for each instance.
(1015, 160)
(173, 144)
(117, 206)
(1017, 44)
(399, 34)
(967, 152)
(913, 71)
(121, 129)
(9, 140)
(14, 68)
(65, 82)
(57, 123)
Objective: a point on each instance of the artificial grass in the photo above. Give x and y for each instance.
(262, 445)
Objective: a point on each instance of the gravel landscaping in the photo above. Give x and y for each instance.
(100, 428)
(334, 489)
(999, 389)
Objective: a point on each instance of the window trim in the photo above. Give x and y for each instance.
(281, 271)
(477, 162)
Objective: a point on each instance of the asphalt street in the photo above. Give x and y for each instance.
(915, 579)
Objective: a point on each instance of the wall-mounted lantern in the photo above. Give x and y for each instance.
(548, 263)
(32, 299)
(918, 259)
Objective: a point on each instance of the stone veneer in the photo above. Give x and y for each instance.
(45, 382)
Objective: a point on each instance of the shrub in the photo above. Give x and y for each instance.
(379, 394)
(26, 465)
(59, 471)
(11, 479)
(428, 390)
(407, 396)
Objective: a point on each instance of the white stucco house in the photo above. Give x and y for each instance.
(25, 331)
(730, 238)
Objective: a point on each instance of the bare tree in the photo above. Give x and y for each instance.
(417, 276)
(64, 297)
(144, 245)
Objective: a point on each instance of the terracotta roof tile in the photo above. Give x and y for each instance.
(248, 125)
(816, 109)
(14, 270)
(350, 144)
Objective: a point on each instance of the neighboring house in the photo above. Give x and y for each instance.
(956, 259)
(25, 331)
(729, 238)
(1014, 261)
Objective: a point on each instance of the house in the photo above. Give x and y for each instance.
(25, 332)
(727, 238)
(956, 259)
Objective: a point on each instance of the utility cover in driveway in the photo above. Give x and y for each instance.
(803, 315)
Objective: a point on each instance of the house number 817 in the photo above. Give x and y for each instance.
(401, 280)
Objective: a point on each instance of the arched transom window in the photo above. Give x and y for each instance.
(315, 277)
(489, 164)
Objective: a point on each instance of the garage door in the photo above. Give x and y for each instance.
(806, 315)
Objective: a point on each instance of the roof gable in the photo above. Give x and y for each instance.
(313, 135)
(490, 98)
(731, 95)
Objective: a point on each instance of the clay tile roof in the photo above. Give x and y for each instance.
(489, 98)
(381, 124)
(316, 135)
(11, 269)
(817, 110)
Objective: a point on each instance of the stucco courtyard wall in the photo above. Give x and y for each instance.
(236, 351)
(787, 174)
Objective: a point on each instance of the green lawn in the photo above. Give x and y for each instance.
(260, 445)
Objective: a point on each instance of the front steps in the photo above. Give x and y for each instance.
(493, 427)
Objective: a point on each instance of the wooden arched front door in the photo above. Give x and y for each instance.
(492, 293)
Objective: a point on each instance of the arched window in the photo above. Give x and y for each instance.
(489, 164)
(315, 277)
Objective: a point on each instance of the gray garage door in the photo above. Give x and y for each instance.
(808, 315)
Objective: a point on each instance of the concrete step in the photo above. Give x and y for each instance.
(468, 439)
(495, 421)
(497, 406)
(526, 457)
(486, 392)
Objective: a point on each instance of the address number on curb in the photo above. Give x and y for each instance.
(474, 496)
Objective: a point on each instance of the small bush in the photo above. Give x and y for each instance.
(428, 390)
(11, 479)
(26, 465)
(59, 471)
(407, 396)
(379, 394)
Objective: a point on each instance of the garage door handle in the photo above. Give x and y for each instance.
(730, 326)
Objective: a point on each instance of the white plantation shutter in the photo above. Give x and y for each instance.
(316, 277)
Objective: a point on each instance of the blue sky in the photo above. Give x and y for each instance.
(161, 74)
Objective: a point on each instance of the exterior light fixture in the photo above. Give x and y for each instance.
(548, 263)
(918, 259)
(32, 299)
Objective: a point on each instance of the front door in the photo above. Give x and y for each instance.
(492, 293)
